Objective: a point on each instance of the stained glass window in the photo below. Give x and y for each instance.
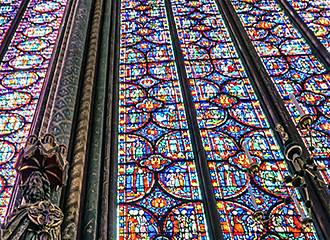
(294, 70)
(316, 14)
(8, 13)
(23, 71)
(231, 118)
(158, 186)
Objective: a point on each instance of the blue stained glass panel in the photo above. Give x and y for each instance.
(158, 187)
(294, 70)
(316, 14)
(8, 13)
(23, 72)
(230, 117)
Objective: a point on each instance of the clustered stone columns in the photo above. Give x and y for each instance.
(42, 170)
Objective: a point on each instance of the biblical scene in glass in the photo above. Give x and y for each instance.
(8, 13)
(158, 192)
(301, 79)
(246, 165)
(23, 71)
(316, 14)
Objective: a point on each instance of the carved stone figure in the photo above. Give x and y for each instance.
(37, 218)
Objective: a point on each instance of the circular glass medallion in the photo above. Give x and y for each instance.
(14, 100)
(18, 80)
(7, 151)
(47, 7)
(26, 61)
(32, 45)
(42, 18)
(10, 123)
(37, 31)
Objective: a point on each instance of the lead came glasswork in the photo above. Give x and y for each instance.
(294, 70)
(23, 71)
(8, 13)
(316, 14)
(158, 188)
(230, 117)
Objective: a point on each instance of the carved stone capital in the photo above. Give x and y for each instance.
(45, 156)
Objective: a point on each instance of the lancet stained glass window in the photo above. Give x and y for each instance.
(294, 70)
(23, 72)
(316, 14)
(8, 13)
(230, 117)
(158, 187)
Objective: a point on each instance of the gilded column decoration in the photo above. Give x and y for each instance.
(41, 169)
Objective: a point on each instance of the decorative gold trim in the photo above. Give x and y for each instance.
(284, 135)
(73, 200)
